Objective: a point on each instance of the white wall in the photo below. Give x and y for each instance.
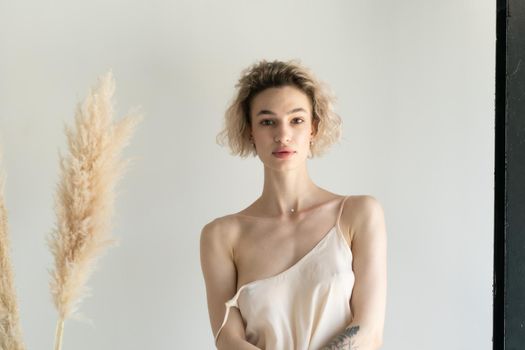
(415, 87)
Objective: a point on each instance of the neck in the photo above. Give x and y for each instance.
(286, 192)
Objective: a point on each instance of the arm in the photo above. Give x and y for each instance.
(368, 301)
(220, 277)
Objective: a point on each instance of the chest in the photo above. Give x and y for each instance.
(265, 250)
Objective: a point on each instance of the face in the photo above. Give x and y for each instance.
(281, 128)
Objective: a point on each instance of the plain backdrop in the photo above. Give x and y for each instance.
(415, 88)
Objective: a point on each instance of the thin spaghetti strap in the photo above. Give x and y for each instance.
(340, 211)
(229, 304)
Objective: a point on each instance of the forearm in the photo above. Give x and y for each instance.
(354, 337)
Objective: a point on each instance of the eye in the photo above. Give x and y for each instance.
(263, 122)
(300, 120)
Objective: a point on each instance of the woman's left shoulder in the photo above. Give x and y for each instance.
(362, 204)
(361, 213)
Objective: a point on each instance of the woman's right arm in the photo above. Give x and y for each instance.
(220, 277)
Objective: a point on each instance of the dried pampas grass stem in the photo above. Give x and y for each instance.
(10, 334)
(85, 197)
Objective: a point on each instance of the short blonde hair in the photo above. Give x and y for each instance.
(263, 75)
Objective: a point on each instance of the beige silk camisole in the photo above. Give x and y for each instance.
(305, 306)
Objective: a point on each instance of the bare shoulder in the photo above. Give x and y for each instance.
(220, 231)
(361, 213)
(363, 204)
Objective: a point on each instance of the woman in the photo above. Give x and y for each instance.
(301, 267)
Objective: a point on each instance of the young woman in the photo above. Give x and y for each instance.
(301, 267)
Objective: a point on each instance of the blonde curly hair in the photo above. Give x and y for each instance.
(263, 75)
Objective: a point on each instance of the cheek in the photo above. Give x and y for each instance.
(262, 137)
(305, 134)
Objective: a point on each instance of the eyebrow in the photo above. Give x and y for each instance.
(265, 111)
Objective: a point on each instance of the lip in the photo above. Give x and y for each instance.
(283, 154)
(283, 150)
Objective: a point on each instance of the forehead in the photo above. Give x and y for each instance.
(278, 99)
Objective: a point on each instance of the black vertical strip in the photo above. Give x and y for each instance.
(498, 321)
(509, 214)
(514, 299)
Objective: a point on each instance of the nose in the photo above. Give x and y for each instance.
(283, 133)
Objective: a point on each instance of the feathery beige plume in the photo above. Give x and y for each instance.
(10, 333)
(85, 196)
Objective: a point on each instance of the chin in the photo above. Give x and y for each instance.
(283, 164)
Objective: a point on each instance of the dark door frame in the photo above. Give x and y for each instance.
(509, 178)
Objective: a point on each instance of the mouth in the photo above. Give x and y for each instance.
(283, 154)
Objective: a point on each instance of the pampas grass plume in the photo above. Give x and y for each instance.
(85, 197)
(10, 333)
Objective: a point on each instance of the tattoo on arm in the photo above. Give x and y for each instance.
(343, 341)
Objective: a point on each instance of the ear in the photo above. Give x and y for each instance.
(315, 127)
(248, 134)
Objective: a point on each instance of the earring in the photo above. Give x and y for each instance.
(310, 155)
